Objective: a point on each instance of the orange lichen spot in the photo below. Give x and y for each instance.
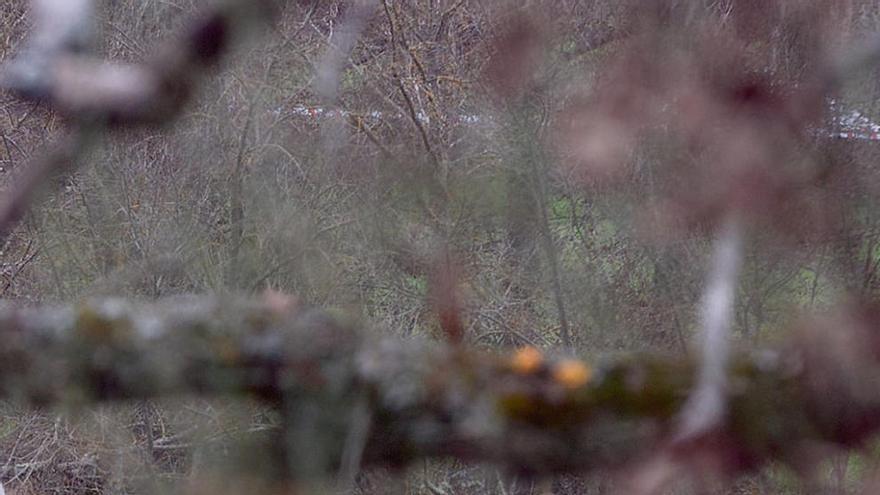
(526, 360)
(572, 373)
(97, 327)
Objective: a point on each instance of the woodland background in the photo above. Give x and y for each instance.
(571, 157)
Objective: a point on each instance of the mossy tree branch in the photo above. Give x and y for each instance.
(527, 412)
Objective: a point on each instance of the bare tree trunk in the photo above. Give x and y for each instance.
(236, 201)
(551, 253)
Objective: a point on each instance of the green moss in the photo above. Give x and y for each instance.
(418, 283)
(645, 385)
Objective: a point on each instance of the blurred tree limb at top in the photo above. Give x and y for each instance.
(58, 67)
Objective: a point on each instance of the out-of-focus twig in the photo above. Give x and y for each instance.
(61, 28)
(339, 48)
(57, 67)
(706, 405)
(331, 65)
(14, 204)
(856, 59)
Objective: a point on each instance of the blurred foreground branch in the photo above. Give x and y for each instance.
(528, 412)
(58, 68)
(705, 406)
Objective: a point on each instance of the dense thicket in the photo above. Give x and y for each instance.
(548, 174)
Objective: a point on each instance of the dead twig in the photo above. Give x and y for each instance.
(705, 407)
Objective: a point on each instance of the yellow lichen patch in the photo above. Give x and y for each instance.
(572, 373)
(226, 350)
(526, 360)
(97, 327)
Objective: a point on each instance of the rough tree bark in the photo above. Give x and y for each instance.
(526, 411)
